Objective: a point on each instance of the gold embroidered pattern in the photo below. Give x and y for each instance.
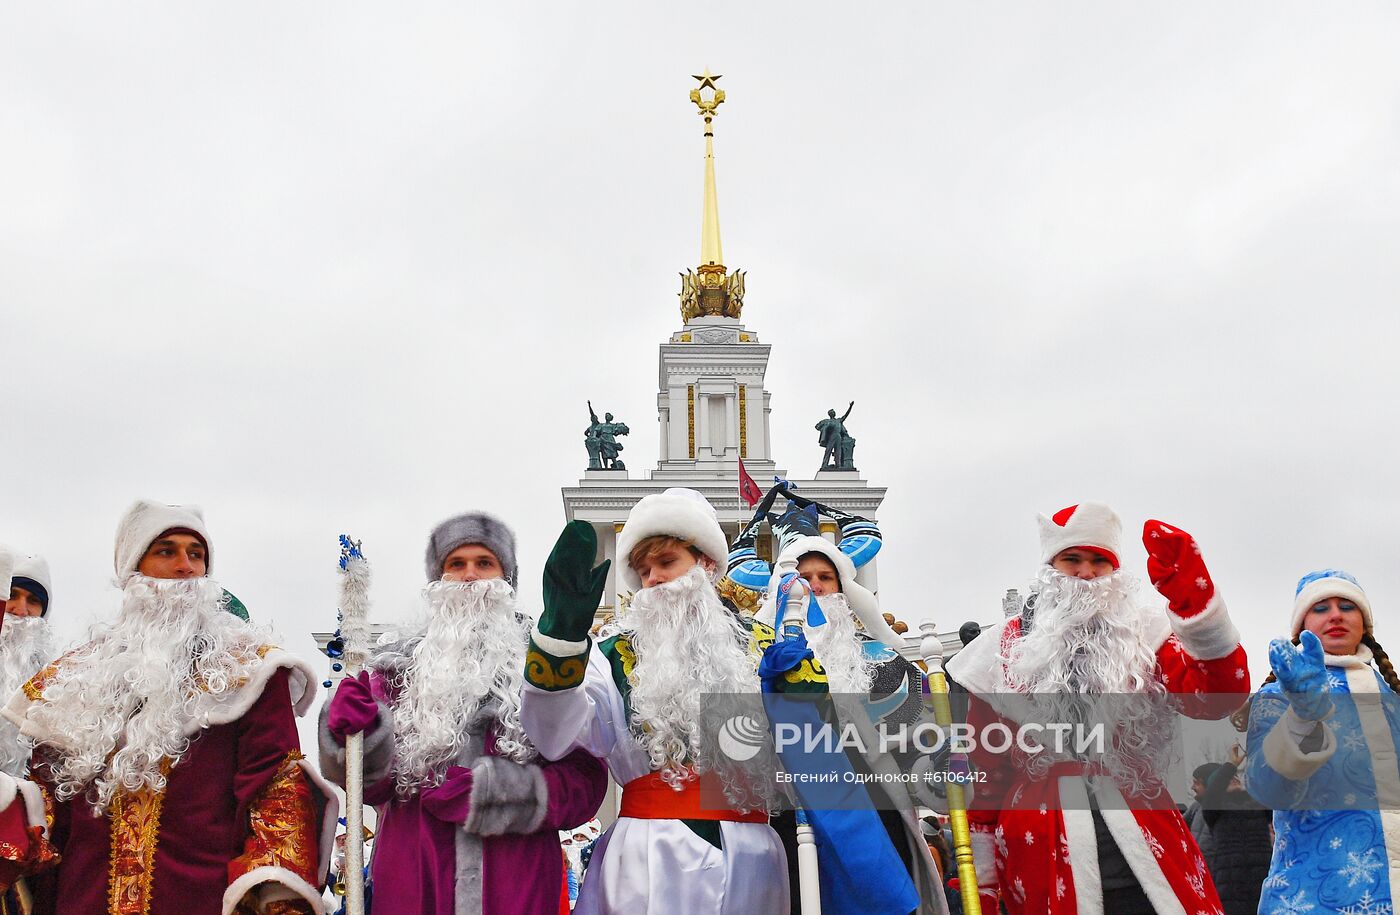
(281, 826)
(135, 819)
(690, 416)
(547, 672)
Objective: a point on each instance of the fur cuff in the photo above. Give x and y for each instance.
(1284, 755)
(507, 797)
(984, 857)
(262, 885)
(1209, 635)
(559, 647)
(378, 748)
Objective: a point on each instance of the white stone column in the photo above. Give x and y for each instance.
(702, 423)
(664, 415)
(731, 423)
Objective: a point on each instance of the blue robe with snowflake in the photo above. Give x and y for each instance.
(1335, 793)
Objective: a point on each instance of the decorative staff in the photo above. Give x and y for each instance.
(936, 685)
(354, 633)
(790, 611)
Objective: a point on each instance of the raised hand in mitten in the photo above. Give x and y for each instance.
(1302, 673)
(572, 584)
(1176, 569)
(353, 708)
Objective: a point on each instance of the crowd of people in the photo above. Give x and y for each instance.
(156, 767)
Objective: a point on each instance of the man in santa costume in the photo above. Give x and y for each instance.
(649, 700)
(26, 644)
(469, 812)
(167, 777)
(1070, 836)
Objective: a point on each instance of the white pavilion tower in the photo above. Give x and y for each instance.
(712, 405)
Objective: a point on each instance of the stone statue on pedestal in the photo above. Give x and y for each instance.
(840, 446)
(600, 438)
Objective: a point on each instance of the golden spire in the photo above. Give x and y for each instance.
(710, 253)
(710, 290)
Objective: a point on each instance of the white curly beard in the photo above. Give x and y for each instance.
(471, 657)
(836, 645)
(1087, 639)
(691, 654)
(26, 645)
(122, 704)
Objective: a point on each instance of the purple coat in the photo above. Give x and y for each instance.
(484, 841)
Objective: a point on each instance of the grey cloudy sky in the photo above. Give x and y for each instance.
(339, 266)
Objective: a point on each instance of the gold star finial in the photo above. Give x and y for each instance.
(707, 79)
(707, 106)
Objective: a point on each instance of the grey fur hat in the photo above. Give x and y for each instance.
(471, 527)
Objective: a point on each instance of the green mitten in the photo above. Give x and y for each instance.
(572, 584)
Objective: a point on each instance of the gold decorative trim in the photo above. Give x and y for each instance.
(743, 421)
(135, 818)
(744, 338)
(690, 415)
(828, 527)
(685, 338)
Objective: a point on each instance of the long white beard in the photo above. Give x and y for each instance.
(471, 658)
(26, 645)
(120, 707)
(848, 668)
(691, 655)
(1085, 637)
(1086, 660)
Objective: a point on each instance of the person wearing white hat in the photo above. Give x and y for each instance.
(648, 701)
(166, 751)
(26, 644)
(1077, 837)
(1323, 743)
(813, 581)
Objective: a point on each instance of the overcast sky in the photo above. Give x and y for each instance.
(326, 267)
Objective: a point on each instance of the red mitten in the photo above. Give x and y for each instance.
(1176, 569)
(353, 708)
(987, 896)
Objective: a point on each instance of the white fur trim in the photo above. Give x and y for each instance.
(8, 789)
(1127, 835)
(1092, 524)
(330, 817)
(864, 605)
(147, 520)
(34, 811)
(984, 857)
(301, 682)
(1283, 754)
(680, 513)
(977, 667)
(1324, 588)
(280, 878)
(1380, 743)
(1083, 848)
(7, 567)
(560, 648)
(1210, 634)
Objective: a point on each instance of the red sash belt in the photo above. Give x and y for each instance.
(649, 798)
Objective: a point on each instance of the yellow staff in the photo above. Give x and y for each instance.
(932, 649)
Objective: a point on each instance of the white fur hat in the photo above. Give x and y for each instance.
(7, 567)
(1088, 524)
(36, 569)
(680, 513)
(864, 605)
(1315, 587)
(144, 522)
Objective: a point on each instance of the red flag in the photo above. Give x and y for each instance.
(748, 489)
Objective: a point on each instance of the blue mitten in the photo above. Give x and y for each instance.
(1303, 675)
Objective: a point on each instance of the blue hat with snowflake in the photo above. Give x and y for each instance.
(1315, 587)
